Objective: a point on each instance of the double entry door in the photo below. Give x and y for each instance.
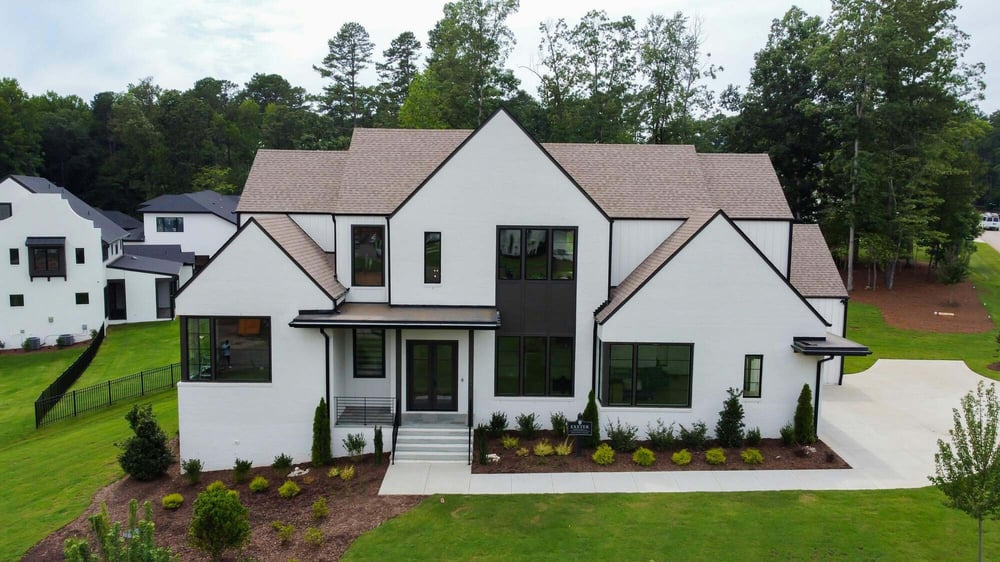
(432, 375)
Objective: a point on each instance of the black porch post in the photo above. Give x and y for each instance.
(472, 353)
(399, 375)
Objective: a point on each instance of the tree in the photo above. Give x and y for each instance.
(729, 429)
(424, 106)
(146, 455)
(396, 73)
(591, 414)
(219, 521)
(20, 138)
(805, 431)
(607, 72)
(967, 470)
(134, 543)
(346, 100)
(265, 89)
(321, 435)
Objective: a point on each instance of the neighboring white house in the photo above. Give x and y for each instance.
(199, 222)
(434, 277)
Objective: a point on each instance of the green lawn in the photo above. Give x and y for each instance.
(866, 325)
(131, 348)
(22, 378)
(867, 525)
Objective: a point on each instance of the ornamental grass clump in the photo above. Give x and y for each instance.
(355, 444)
(543, 448)
(347, 473)
(565, 448)
(509, 442)
(681, 458)
(752, 456)
(643, 457)
(604, 455)
(715, 456)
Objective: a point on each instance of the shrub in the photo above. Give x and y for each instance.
(219, 522)
(804, 431)
(729, 428)
(241, 470)
(289, 489)
(347, 473)
(681, 458)
(522, 452)
(285, 532)
(379, 445)
(217, 485)
(320, 509)
(565, 448)
(661, 437)
(321, 435)
(355, 444)
(752, 456)
(146, 455)
(622, 437)
(509, 442)
(543, 448)
(643, 457)
(696, 437)
(137, 541)
(604, 455)
(715, 456)
(558, 420)
(259, 484)
(498, 424)
(334, 472)
(528, 425)
(192, 470)
(788, 435)
(482, 445)
(753, 437)
(590, 414)
(313, 536)
(282, 462)
(172, 501)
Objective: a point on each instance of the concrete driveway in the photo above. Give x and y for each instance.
(991, 237)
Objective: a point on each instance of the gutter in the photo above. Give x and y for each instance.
(819, 370)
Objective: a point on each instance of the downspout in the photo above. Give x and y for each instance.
(819, 371)
(843, 334)
(326, 350)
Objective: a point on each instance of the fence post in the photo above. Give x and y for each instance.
(142, 383)
(74, 403)
(109, 393)
(171, 375)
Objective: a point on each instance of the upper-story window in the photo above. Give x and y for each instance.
(536, 254)
(6, 211)
(15, 256)
(367, 256)
(46, 256)
(432, 257)
(81, 256)
(170, 224)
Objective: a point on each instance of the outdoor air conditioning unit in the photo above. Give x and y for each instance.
(32, 343)
(64, 340)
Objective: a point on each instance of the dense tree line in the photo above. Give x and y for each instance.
(868, 116)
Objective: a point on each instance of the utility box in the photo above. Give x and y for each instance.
(32, 343)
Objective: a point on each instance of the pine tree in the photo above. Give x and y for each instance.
(729, 429)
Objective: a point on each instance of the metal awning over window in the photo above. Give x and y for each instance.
(832, 344)
(34, 241)
(379, 315)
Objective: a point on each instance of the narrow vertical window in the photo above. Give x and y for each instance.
(508, 365)
(620, 375)
(81, 256)
(15, 256)
(536, 254)
(563, 253)
(367, 256)
(432, 257)
(753, 367)
(509, 263)
(560, 366)
(534, 365)
(369, 354)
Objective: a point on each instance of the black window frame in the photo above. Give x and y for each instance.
(82, 298)
(354, 353)
(381, 234)
(429, 277)
(213, 361)
(747, 372)
(6, 211)
(81, 256)
(605, 374)
(16, 300)
(549, 252)
(34, 271)
(177, 222)
(522, 366)
(15, 256)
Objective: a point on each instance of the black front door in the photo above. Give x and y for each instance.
(432, 375)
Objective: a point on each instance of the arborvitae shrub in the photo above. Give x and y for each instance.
(590, 414)
(379, 445)
(482, 448)
(804, 430)
(729, 429)
(321, 454)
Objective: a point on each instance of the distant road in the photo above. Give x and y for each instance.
(991, 237)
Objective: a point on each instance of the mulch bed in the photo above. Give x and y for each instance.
(776, 457)
(19, 350)
(915, 297)
(355, 508)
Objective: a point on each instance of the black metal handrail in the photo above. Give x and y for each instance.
(395, 432)
(470, 445)
(364, 410)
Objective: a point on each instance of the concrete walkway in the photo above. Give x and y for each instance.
(884, 422)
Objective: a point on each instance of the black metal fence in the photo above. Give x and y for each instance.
(69, 404)
(67, 379)
(363, 410)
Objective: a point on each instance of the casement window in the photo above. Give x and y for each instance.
(534, 366)
(432, 257)
(536, 253)
(47, 261)
(6, 211)
(369, 354)
(170, 224)
(81, 256)
(226, 349)
(15, 256)
(83, 298)
(753, 372)
(367, 256)
(17, 300)
(647, 375)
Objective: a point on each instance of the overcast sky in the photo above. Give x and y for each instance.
(88, 46)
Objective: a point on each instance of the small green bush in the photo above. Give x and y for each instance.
(715, 456)
(565, 448)
(334, 472)
(643, 457)
(355, 444)
(217, 485)
(219, 522)
(285, 532)
(482, 443)
(320, 509)
(681, 458)
(379, 445)
(509, 442)
(729, 429)
(259, 484)
(522, 452)
(752, 456)
(558, 420)
(282, 462)
(788, 435)
(347, 473)
(696, 437)
(661, 437)
(313, 536)
(135, 540)
(622, 437)
(241, 470)
(172, 501)
(146, 455)
(528, 425)
(604, 455)
(543, 448)
(498, 424)
(192, 470)
(289, 489)
(753, 437)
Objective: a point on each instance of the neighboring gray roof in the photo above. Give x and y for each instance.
(169, 252)
(654, 262)
(222, 206)
(316, 263)
(814, 274)
(110, 232)
(380, 314)
(144, 264)
(132, 225)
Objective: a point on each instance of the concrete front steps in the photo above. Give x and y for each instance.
(432, 443)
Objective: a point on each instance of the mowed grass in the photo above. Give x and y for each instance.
(865, 324)
(22, 378)
(841, 525)
(131, 348)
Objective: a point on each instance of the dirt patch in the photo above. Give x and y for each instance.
(776, 457)
(915, 298)
(355, 508)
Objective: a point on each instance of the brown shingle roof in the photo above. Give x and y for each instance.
(813, 272)
(744, 186)
(309, 256)
(653, 262)
(293, 181)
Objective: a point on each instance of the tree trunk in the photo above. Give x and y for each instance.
(850, 241)
(980, 539)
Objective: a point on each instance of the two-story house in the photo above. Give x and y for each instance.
(428, 278)
(198, 222)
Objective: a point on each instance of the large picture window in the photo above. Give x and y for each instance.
(540, 253)
(432, 257)
(170, 224)
(367, 256)
(226, 349)
(647, 374)
(534, 366)
(753, 370)
(369, 354)
(48, 261)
